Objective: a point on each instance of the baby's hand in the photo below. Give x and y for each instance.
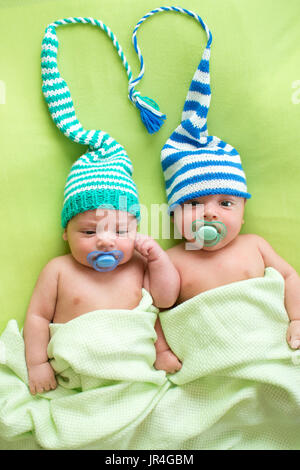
(166, 360)
(147, 247)
(293, 334)
(41, 378)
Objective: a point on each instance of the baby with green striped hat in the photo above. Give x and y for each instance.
(110, 263)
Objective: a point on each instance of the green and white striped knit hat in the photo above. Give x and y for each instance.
(103, 175)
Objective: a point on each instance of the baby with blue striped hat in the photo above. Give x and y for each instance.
(206, 191)
(110, 266)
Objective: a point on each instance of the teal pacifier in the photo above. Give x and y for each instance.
(209, 233)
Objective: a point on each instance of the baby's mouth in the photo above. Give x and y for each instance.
(216, 226)
(209, 233)
(104, 261)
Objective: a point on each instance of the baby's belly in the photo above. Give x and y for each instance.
(73, 306)
(192, 285)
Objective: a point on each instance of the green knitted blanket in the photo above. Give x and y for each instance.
(239, 386)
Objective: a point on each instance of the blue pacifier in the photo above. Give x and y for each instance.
(105, 260)
(209, 233)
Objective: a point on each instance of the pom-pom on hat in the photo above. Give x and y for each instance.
(103, 175)
(194, 163)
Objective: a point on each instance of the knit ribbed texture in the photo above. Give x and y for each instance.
(238, 388)
(103, 175)
(95, 181)
(194, 163)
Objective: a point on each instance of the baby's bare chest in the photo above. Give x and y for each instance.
(201, 273)
(81, 292)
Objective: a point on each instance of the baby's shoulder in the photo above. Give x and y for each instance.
(56, 265)
(175, 249)
(253, 243)
(250, 238)
(176, 252)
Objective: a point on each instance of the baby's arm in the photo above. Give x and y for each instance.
(163, 282)
(165, 358)
(36, 330)
(292, 289)
(161, 277)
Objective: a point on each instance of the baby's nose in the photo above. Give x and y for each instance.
(105, 242)
(210, 212)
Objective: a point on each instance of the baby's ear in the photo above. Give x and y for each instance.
(65, 235)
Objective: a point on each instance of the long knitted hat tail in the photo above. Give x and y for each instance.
(103, 175)
(56, 90)
(194, 163)
(65, 117)
(195, 110)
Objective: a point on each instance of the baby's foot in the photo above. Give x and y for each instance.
(166, 360)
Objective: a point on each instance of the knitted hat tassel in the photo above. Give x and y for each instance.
(204, 101)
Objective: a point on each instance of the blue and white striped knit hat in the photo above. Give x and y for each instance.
(103, 175)
(194, 163)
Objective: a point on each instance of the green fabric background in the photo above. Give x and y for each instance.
(254, 66)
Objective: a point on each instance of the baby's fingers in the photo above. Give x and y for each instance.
(35, 388)
(293, 334)
(53, 384)
(50, 384)
(140, 237)
(294, 342)
(293, 339)
(32, 388)
(143, 247)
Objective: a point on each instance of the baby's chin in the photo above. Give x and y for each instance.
(216, 247)
(213, 248)
(128, 255)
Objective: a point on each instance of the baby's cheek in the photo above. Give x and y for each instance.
(84, 246)
(184, 218)
(126, 245)
(236, 226)
(186, 228)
